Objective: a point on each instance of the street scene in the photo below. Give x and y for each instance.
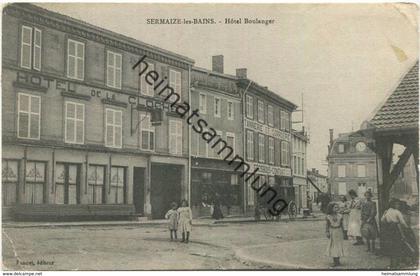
(227, 137)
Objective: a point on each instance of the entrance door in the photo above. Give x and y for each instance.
(67, 184)
(166, 188)
(138, 190)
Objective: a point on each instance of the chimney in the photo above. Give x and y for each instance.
(217, 63)
(241, 73)
(331, 136)
(313, 170)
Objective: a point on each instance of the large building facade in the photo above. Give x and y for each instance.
(267, 138)
(300, 142)
(217, 98)
(351, 164)
(76, 120)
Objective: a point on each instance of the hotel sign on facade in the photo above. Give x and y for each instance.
(266, 130)
(270, 170)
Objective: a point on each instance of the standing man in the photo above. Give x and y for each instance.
(355, 222)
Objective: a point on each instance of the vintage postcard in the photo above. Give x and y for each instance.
(152, 136)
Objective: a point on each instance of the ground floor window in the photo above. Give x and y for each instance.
(96, 184)
(117, 185)
(10, 172)
(34, 182)
(66, 183)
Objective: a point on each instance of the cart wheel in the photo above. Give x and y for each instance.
(292, 210)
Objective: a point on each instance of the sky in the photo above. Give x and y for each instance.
(341, 60)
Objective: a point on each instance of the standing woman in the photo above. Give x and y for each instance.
(355, 222)
(185, 220)
(334, 231)
(344, 211)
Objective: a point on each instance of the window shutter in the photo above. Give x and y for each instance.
(80, 63)
(118, 63)
(37, 49)
(26, 47)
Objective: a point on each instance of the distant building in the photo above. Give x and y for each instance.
(317, 184)
(351, 164)
(300, 141)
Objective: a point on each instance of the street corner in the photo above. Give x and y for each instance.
(308, 254)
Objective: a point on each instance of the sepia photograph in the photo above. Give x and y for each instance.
(210, 137)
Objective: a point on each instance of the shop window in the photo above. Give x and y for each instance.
(202, 103)
(250, 145)
(74, 123)
(261, 111)
(31, 45)
(249, 106)
(29, 116)
(66, 183)
(230, 110)
(113, 69)
(175, 137)
(175, 81)
(34, 182)
(96, 184)
(10, 172)
(75, 59)
(113, 132)
(147, 132)
(117, 185)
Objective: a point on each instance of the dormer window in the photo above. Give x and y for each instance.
(340, 148)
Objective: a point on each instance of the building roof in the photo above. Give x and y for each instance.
(107, 35)
(401, 109)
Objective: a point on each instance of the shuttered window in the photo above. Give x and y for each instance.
(29, 116)
(261, 148)
(175, 136)
(113, 131)
(285, 158)
(114, 64)
(31, 48)
(145, 87)
(271, 150)
(75, 123)
(250, 145)
(75, 59)
(175, 81)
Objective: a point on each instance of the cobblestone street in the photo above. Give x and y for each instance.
(264, 245)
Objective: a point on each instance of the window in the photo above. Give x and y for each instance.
(30, 50)
(249, 106)
(9, 176)
(261, 148)
(113, 131)
(117, 185)
(145, 88)
(270, 115)
(287, 121)
(203, 146)
(284, 153)
(113, 70)
(66, 183)
(271, 150)
(250, 191)
(175, 136)
(216, 148)
(299, 166)
(217, 104)
(35, 182)
(342, 188)
(340, 148)
(230, 110)
(341, 170)
(250, 144)
(202, 105)
(29, 116)
(234, 179)
(230, 140)
(295, 165)
(147, 132)
(361, 171)
(175, 81)
(75, 59)
(74, 123)
(260, 111)
(96, 185)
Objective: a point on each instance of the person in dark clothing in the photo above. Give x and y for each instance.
(217, 211)
(369, 229)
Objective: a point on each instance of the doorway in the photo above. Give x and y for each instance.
(138, 189)
(165, 188)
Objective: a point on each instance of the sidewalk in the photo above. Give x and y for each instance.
(309, 254)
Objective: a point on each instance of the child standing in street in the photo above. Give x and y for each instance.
(172, 217)
(185, 220)
(334, 231)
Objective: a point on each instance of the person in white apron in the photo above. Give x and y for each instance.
(355, 219)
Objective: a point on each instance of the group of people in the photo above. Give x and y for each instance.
(180, 218)
(356, 218)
